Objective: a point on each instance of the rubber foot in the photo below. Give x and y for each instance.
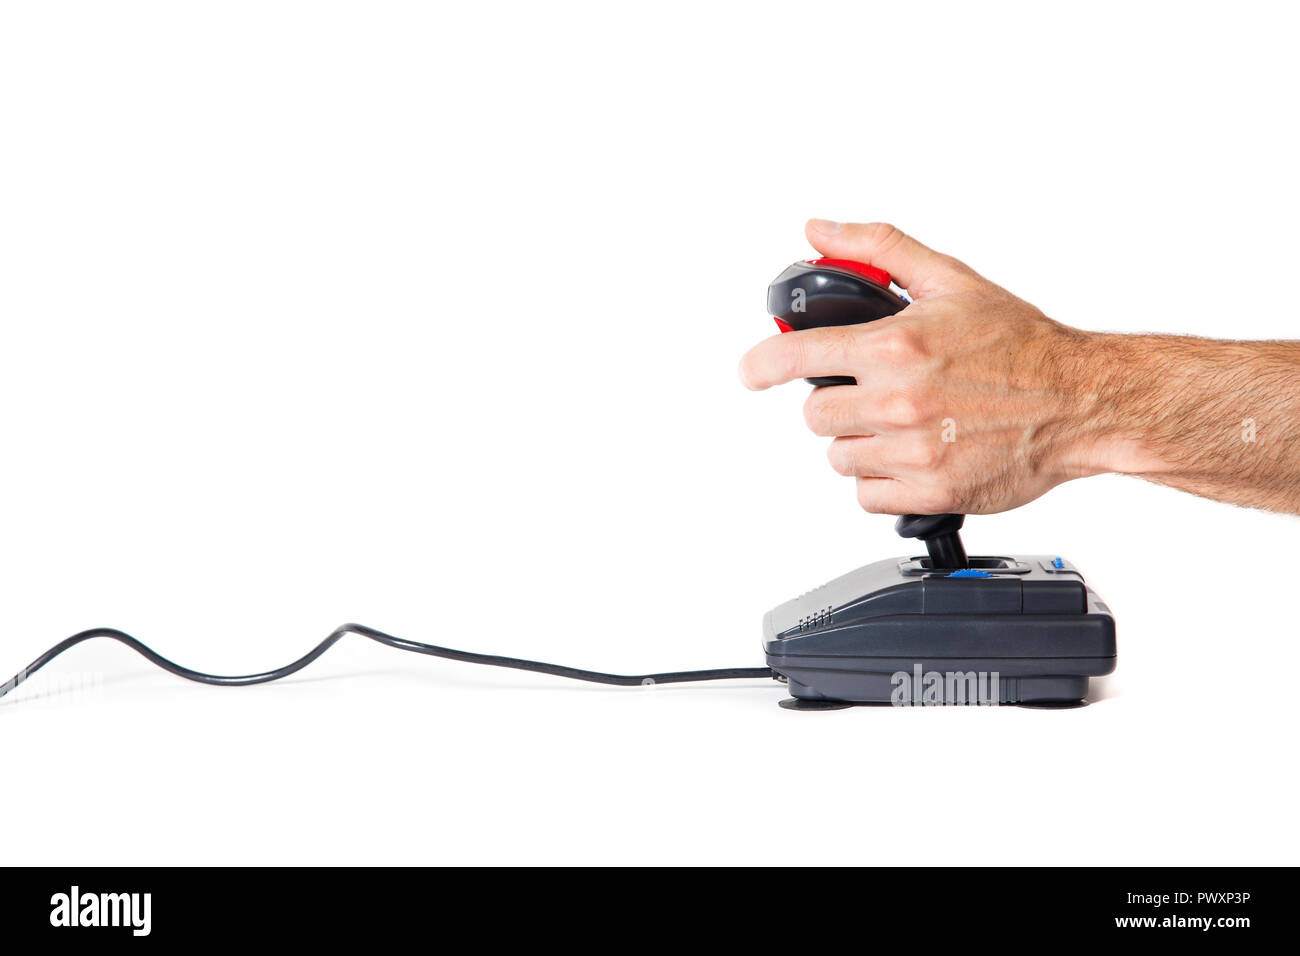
(1053, 704)
(804, 703)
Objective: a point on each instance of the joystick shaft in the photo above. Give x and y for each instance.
(941, 534)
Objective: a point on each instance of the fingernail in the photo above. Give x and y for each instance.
(826, 226)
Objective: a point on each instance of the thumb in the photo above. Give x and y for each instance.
(914, 266)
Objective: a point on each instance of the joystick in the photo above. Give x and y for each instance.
(927, 629)
(823, 292)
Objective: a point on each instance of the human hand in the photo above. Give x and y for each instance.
(970, 400)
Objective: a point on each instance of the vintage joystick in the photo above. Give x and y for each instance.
(823, 292)
(993, 629)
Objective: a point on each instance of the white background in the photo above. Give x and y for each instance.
(427, 316)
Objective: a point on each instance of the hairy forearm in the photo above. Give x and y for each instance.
(1215, 418)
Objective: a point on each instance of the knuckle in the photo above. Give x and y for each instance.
(842, 343)
(936, 499)
(831, 347)
(883, 235)
(900, 344)
(869, 497)
(841, 458)
(814, 415)
(902, 409)
(925, 454)
(827, 415)
(792, 358)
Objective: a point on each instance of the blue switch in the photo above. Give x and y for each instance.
(970, 573)
(1058, 563)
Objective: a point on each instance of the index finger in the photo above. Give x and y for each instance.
(810, 353)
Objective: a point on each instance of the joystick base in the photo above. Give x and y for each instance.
(1022, 629)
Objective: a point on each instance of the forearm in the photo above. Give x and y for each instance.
(1215, 418)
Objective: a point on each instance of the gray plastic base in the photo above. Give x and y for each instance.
(1023, 630)
(868, 688)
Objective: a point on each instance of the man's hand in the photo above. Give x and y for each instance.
(960, 403)
(971, 400)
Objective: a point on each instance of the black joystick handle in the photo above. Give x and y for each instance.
(821, 292)
(941, 537)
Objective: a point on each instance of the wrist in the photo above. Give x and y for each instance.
(1101, 378)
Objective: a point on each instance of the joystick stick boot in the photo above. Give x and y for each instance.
(941, 536)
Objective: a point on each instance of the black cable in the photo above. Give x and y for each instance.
(401, 643)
